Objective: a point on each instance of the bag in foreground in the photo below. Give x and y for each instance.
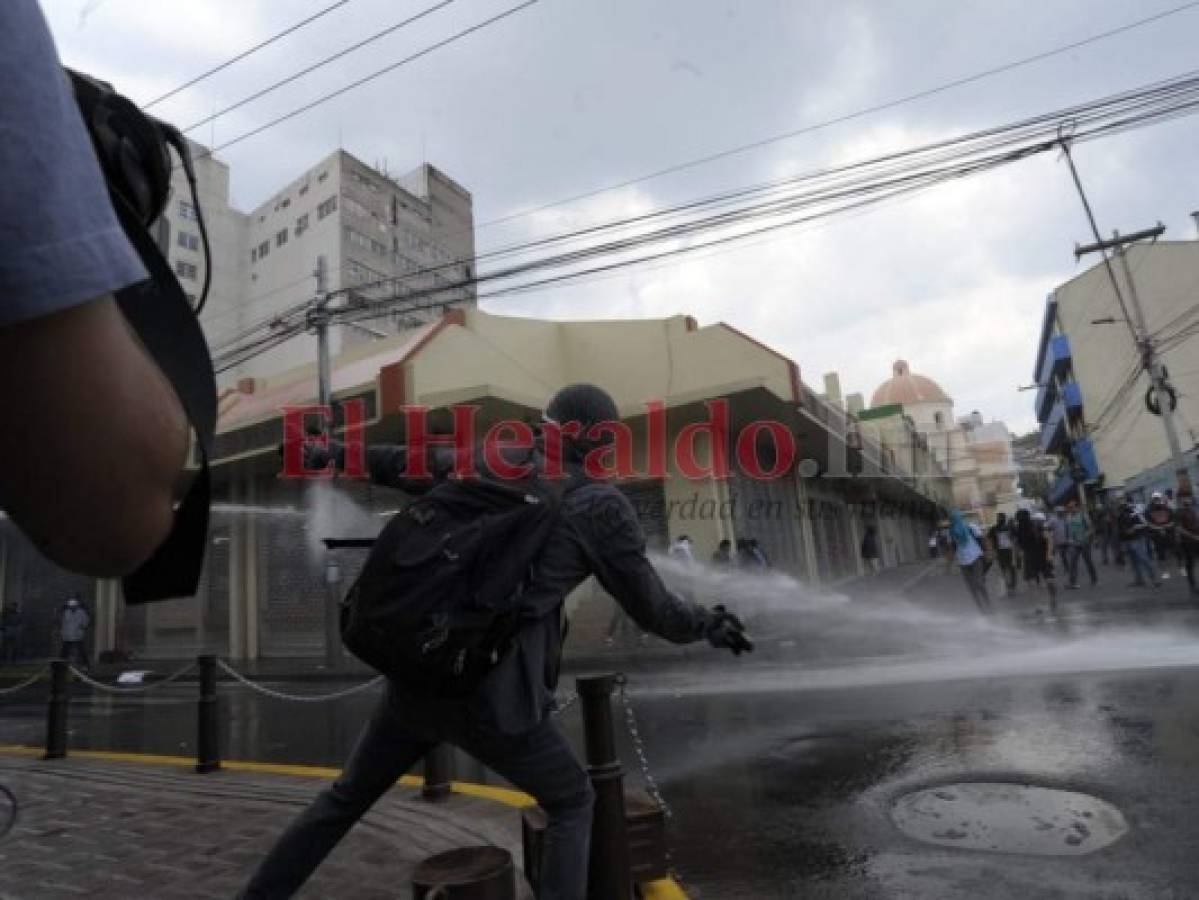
(438, 603)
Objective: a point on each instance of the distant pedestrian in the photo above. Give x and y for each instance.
(1035, 540)
(1132, 528)
(680, 550)
(1160, 518)
(1187, 522)
(1101, 525)
(1056, 523)
(1078, 540)
(11, 626)
(933, 549)
(750, 556)
(73, 621)
(971, 560)
(1003, 545)
(723, 557)
(870, 551)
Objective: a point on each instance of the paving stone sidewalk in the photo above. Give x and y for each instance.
(101, 829)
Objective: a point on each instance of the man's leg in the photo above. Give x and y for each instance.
(385, 751)
(1072, 553)
(1085, 549)
(1134, 563)
(541, 763)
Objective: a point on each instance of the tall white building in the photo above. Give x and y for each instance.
(412, 233)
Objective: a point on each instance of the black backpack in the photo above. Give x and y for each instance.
(438, 603)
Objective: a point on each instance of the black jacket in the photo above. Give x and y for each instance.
(598, 534)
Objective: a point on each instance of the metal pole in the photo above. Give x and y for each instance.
(208, 736)
(56, 712)
(320, 321)
(439, 773)
(1136, 319)
(609, 871)
(1153, 366)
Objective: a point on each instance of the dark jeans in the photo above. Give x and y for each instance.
(1137, 552)
(1083, 551)
(74, 652)
(1189, 553)
(539, 762)
(1007, 565)
(975, 575)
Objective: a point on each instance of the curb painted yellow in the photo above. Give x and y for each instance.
(665, 889)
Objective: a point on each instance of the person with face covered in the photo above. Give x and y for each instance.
(506, 723)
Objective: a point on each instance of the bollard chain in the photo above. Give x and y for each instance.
(33, 679)
(298, 698)
(140, 689)
(651, 783)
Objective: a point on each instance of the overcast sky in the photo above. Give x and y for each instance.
(572, 95)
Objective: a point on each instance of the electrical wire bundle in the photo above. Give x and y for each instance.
(736, 215)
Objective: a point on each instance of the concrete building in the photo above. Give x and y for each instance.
(977, 454)
(1091, 396)
(178, 236)
(264, 592)
(414, 233)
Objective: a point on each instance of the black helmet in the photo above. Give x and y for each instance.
(583, 403)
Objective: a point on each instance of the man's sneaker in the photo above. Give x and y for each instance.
(1182, 573)
(1165, 576)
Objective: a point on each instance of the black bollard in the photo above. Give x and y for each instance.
(439, 772)
(56, 712)
(609, 873)
(208, 736)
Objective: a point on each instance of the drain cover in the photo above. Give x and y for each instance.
(1009, 818)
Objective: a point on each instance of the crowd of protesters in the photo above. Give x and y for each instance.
(1041, 549)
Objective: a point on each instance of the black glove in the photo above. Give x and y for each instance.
(318, 457)
(725, 630)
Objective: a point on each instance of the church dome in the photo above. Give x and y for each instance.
(908, 388)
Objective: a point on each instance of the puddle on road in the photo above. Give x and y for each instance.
(1009, 818)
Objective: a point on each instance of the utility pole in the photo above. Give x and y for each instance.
(1146, 345)
(318, 321)
(1135, 318)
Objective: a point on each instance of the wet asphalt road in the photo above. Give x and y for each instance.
(782, 774)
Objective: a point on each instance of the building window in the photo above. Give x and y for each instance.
(187, 211)
(378, 248)
(326, 207)
(281, 238)
(303, 189)
(253, 254)
(939, 418)
(263, 249)
(188, 241)
(185, 269)
(395, 210)
(301, 224)
(322, 176)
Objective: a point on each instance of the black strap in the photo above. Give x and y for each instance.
(159, 313)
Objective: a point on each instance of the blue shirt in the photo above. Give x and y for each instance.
(60, 242)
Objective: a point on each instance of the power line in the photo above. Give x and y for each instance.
(860, 184)
(378, 35)
(325, 98)
(227, 63)
(846, 117)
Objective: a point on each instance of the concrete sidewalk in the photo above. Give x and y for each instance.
(101, 828)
